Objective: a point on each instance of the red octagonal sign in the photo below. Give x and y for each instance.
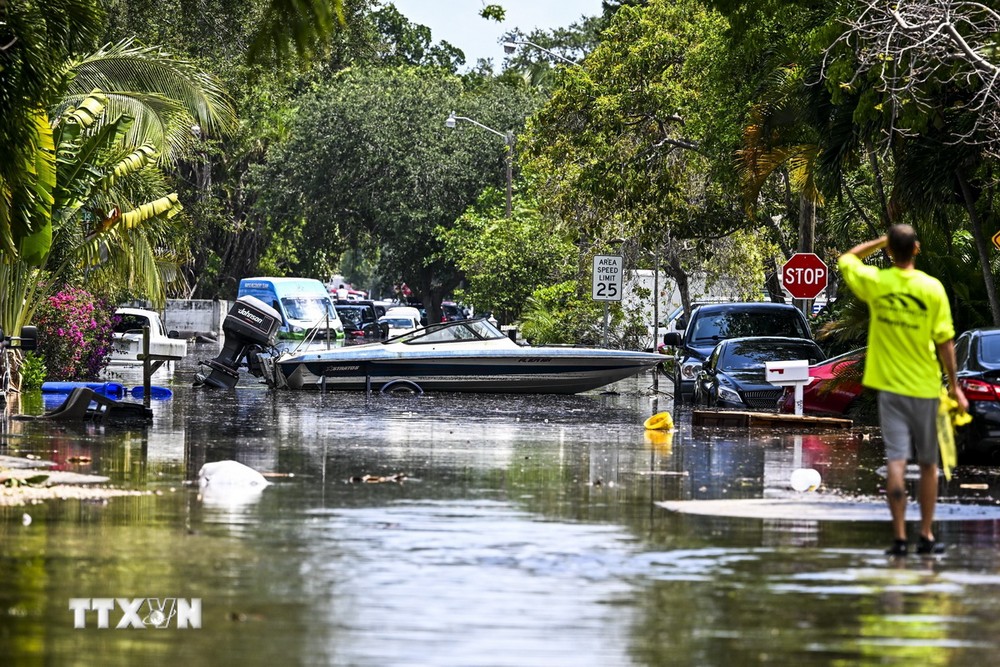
(804, 275)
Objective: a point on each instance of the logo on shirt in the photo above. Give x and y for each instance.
(899, 300)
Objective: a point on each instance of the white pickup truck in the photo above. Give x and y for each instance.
(127, 337)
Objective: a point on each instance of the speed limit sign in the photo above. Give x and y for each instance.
(608, 278)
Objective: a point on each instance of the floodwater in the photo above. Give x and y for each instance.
(492, 530)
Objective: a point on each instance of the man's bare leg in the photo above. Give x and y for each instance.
(928, 498)
(896, 495)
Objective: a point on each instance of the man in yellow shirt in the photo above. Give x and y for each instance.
(910, 331)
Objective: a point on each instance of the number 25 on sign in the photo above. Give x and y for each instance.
(607, 278)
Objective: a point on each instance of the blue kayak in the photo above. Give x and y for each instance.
(109, 389)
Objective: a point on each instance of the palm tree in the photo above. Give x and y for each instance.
(778, 140)
(35, 40)
(165, 95)
(109, 144)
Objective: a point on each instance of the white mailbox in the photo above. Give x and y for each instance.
(786, 373)
(789, 374)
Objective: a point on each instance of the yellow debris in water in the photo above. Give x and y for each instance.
(661, 421)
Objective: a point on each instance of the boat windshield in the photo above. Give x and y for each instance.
(452, 332)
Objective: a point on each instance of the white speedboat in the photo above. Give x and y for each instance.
(127, 337)
(466, 356)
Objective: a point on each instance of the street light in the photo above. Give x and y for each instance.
(452, 120)
(510, 46)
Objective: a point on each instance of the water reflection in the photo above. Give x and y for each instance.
(521, 530)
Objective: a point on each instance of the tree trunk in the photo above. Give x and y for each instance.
(807, 224)
(879, 185)
(773, 284)
(807, 241)
(981, 247)
(674, 269)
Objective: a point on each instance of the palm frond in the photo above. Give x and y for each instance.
(165, 94)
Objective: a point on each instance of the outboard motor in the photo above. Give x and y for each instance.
(27, 341)
(249, 326)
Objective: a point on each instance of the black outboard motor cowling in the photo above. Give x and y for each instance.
(250, 326)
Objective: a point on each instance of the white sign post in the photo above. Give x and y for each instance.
(608, 278)
(607, 283)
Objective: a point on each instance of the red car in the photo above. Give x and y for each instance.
(833, 387)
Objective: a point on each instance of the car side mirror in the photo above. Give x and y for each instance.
(673, 339)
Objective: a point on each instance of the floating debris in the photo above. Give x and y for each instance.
(398, 478)
(805, 479)
(661, 421)
(29, 477)
(665, 473)
(33, 495)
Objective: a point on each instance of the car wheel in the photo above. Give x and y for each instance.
(678, 398)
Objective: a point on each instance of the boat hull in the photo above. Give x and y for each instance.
(532, 370)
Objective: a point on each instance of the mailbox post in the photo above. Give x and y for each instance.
(788, 374)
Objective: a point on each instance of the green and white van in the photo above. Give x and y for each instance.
(304, 305)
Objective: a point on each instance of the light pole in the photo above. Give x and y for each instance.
(507, 136)
(510, 46)
(655, 255)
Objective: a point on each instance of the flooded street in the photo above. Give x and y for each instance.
(453, 529)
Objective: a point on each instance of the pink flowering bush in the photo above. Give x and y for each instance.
(74, 334)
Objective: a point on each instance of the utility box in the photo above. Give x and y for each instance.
(786, 373)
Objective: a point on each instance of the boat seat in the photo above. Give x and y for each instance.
(76, 407)
(109, 409)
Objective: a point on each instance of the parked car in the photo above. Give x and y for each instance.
(452, 312)
(361, 322)
(834, 386)
(713, 323)
(401, 319)
(126, 339)
(733, 375)
(977, 353)
(304, 304)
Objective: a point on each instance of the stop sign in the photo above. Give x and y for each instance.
(804, 275)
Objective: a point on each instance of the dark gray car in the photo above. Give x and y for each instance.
(712, 323)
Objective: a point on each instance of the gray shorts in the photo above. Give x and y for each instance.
(909, 425)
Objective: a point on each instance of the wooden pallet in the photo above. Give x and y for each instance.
(734, 419)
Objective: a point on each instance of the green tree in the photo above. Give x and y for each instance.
(35, 41)
(923, 77)
(623, 148)
(371, 165)
(504, 260)
(105, 183)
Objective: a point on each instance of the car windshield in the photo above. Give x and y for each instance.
(753, 354)
(398, 322)
(720, 326)
(311, 309)
(356, 314)
(131, 322)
